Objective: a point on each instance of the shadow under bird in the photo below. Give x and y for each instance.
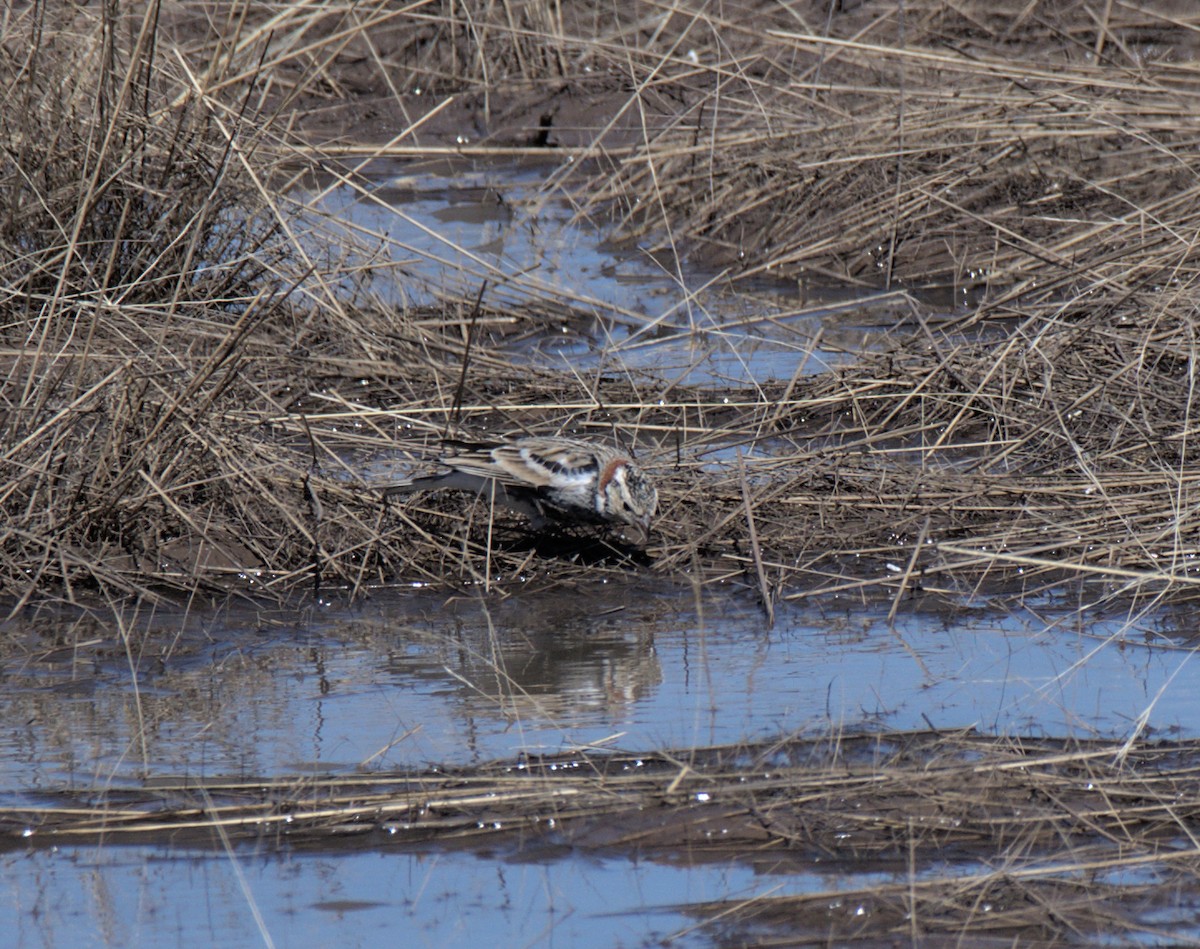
(572, 479)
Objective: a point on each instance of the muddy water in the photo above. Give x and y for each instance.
(415, 677)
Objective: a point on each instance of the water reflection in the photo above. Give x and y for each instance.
(443, 229)
(411, 679)
(416, 679)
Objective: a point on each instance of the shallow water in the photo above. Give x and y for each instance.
(411, 678)
(451, 228)
(408, 680)
(125, 896)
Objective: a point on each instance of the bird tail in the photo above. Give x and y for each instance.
(409, 485)
(523, 502)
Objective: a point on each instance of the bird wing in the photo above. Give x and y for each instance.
(530, 463)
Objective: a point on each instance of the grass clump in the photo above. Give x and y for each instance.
(133, 269)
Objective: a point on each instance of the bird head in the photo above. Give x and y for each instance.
(630, 497)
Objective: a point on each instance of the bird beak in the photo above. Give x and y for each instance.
(644, 524)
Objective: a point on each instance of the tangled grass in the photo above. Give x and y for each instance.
(192, 401)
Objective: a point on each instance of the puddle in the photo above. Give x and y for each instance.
(130, 896)
(449, 229)
(409, 680)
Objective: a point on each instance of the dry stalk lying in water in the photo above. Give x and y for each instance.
(1059, 822)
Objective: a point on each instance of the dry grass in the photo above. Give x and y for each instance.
(1029, 147)
(193, 400)
(1047, 839)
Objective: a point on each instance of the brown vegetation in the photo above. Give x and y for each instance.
(189, 391)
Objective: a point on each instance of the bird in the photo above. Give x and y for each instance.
(535, 475)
